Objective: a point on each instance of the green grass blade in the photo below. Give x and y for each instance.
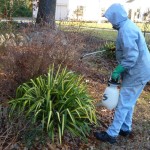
(49, 119)
(59, 132)
(58, 116)
(73, 120)
(63, 123)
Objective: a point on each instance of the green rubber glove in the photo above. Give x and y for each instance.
(116, 73)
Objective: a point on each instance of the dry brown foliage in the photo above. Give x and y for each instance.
(41, 48)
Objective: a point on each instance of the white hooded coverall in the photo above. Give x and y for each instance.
(133, 55)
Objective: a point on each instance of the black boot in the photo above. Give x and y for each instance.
(124, 133)
(103, 136)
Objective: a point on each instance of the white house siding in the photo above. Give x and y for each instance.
(61, 10)
(73, 5)
(91, 10)
(137, 9)
(65, 9)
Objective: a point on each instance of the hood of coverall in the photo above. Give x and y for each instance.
(116, 14)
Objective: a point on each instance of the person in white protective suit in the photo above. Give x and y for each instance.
(133, 59)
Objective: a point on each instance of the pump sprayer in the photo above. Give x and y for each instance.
(111, 93)
(110, 96)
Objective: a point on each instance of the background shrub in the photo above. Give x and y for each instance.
(110, 50)
(15, 8)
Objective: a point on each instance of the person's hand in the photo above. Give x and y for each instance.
(116, 73)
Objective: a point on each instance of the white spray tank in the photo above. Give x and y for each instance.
(110, 96)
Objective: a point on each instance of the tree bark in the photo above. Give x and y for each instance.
(46, 12)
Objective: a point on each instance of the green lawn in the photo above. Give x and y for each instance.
(142, 26)
(101, 30)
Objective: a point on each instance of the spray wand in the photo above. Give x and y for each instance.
(93, 53)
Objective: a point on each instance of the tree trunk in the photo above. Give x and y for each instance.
(46, 12)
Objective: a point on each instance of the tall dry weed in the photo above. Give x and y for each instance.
(35, 49)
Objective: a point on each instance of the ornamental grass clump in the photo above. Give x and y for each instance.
(58, 101)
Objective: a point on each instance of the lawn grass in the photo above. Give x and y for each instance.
(100, 30)
(109, 35)
(143, 26)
